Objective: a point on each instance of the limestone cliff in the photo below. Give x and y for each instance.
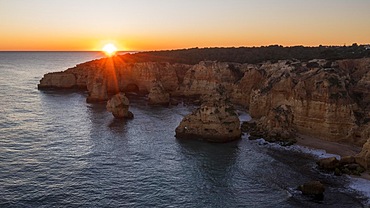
(109, 76)
(251, 80)
(57, 80)
(318, 97)
(276, 126)
(157, 94)
(363, 158)
(326, 99)
(205, 77)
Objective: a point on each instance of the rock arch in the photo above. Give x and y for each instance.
(131, 87)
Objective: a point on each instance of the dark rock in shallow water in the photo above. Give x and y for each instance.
(347, 160)
(315, 188)
(328, 163)
(346, 165)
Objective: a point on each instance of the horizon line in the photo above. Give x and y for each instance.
(210, 47)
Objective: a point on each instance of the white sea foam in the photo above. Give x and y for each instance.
(244, 116)
(361, 185)
(317, 153)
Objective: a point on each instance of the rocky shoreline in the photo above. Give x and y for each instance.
(325, 99)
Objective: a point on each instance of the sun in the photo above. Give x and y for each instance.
(109, 49)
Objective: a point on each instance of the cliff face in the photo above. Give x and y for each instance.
(325, 99)
(58, 80)
(363, 158)
(252, 79)
(205, 77)
(109, 76)
(317, 93)
(158, 95)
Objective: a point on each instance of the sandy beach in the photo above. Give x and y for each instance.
(332, 148)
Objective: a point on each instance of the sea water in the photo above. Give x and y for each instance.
(58, 151)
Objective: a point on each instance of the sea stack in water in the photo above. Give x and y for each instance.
(119, 105)
(158, 95)
(214, 121)
(315, 188)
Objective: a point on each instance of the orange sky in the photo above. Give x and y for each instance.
(171, 24)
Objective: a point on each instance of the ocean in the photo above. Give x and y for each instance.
(56, 150)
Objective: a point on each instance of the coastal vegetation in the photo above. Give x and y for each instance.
(252, 55)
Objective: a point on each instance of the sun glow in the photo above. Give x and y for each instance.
(109, 49)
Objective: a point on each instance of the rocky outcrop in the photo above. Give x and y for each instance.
(57, 80)
(119, 105)
(242, 90)
(117, 76)
(108, 76)
(318, 97)
(315, 188)
(205, 77)
(328, 163)
(96, 86)
(157, 94)
(363, 158)
(75, 77)
(214, 121)
(346, 165)
(276, 126)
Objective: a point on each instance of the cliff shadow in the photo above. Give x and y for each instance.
(57, 91)
(214, 161)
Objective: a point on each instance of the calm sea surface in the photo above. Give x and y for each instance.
(58, 151)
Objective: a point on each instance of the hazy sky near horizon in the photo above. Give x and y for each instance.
(171, 24)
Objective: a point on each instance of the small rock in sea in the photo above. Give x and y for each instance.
(315, 188)
(346, 165)
(347, 160)
(328, 163)
(119, 105)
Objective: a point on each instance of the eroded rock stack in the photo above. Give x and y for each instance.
(119, 105)
(214, 121)
(315, 188)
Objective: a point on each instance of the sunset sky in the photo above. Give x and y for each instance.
(172, 24)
